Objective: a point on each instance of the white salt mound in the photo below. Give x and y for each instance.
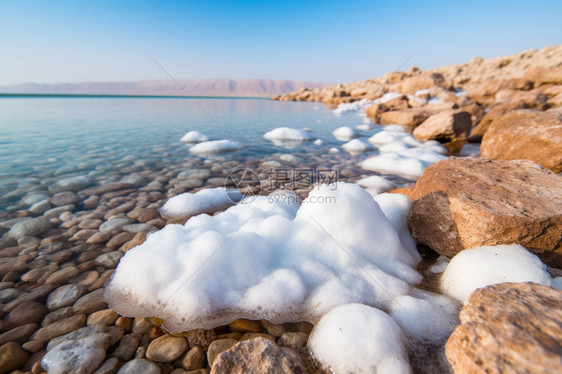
(356, 338)
(266, 259)
(483, 266)
(365, 126)
(357, 146)
(344, 133)
(351, 107)
(318, 142)
(207, 200)
(286, 133)
(194, 137)
(215, 146)
(409, 163)
(388, 96)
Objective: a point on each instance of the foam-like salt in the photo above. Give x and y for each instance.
(215, 146)
(286, 133)
(194, 137)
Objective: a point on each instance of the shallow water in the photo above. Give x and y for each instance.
(42, 138)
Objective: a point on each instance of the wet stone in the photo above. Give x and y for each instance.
(18, 334)
(60, 327)
(109, 260)
(127, 347)
(139, 366)
(25, 313)
(64, 198)
(77, 356)
(65, 296)
(194, 359)
(166, 348)
(90, 303)
(11, 357)
(115, 224)
(105, 317)
(217, 347)
(56, 315)
(63, 275)
(117, 240)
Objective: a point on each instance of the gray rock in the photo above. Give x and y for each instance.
(31, 227)
(114, 332)
(139, 365)
(71, 184)
(64, 198)
(81, 356)
(34, 198)
(115, 224)
(139, 227)
(90, 303)
(56, 212)
(40, 207)
(65, 296)
(109, 260)
(127, 347)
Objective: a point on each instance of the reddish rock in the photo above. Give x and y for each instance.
(462, 203)
(526, 134)
(64, 198)
(407, 117)
(411, 85)
(23, 314)
(447, 126)
(509, 328)
(258, 356)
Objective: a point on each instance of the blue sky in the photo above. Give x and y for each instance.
(324, 41)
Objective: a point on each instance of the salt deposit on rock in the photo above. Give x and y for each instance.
(357, 146)
(376, 184)
(194, 137)
(287, 133)
(356, 338)
(207, 200)
(344, 133)
(352, 107)
(266, 259)
(215, 146)
(409, 163)
(474, 268)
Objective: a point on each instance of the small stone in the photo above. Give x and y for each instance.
(127, 347)
(99, 237)
(194, 359)
(118, 240)
(18, 334)
(71, 184)
(259, 353)
(253, 335)
(217, 347)
(139, 365)
(142, 325)
(86, 279)
(80, 356)
(31, 227)
(125, 322)
(115, 224)
(55, 315)
(64, 198)
(65, 296)
(91, 223)
(200, 337)
(90, 303)
(109, 260)
(245, 325)
(60, 327)
(34, 275)
(166, 348)
(63, 275)
(113, 332)
(105, 317)
(138, 239)
(40, 207)
(23, 314)
(11, 357)
(273, 329)
(108, 367)
(293, 340)
(33, 345)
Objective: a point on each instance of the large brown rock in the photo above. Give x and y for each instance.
(258, 356)
(509, 328)
(447, 125)
(411, 85)
(462, 203)
(406, 117)
(526, 134)
(541, 75)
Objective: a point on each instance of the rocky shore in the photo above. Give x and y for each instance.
(63, 240)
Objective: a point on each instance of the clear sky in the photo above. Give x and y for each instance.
(324, 41)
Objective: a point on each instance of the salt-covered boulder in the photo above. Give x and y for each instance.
(194, 137)
(526, 134)
(423, 81)
(204, 201)
(215, 146)
(357, 146)
(344, 133)
(356, 338)
(266, 259)
(464, 203)
(258, 355)
(509, 328)
(286, 133)
(445, 126)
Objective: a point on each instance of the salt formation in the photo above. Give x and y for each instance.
(376, 184)
(344, 133)
(357, 146)
(352, 107)
(207, 200)
(483, 266)
(267, 259)
(194, 137)
(215, 146)
(356, 338)
(286, 133)
(409, 163)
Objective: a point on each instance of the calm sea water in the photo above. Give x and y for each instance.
(45, 137)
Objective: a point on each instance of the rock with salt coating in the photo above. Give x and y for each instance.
(293, 263)
(344, 133)
(286, 133)
(356, 338)
(509, 328)
(215, 146)
(194, 137)
(139, 365)
(357, 146)
(258, 355)
(81, 356)
(204, 201)
(483, 266)
(409, 163)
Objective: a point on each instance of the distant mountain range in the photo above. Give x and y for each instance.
(192, 87)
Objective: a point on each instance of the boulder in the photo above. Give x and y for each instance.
(258, 356)
(462, 203)
(509, 328)
(541, 75)
(445, 126)
(411, 85)
(526, 134)
(406, 117)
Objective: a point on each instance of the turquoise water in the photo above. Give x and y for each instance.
(42, 137)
